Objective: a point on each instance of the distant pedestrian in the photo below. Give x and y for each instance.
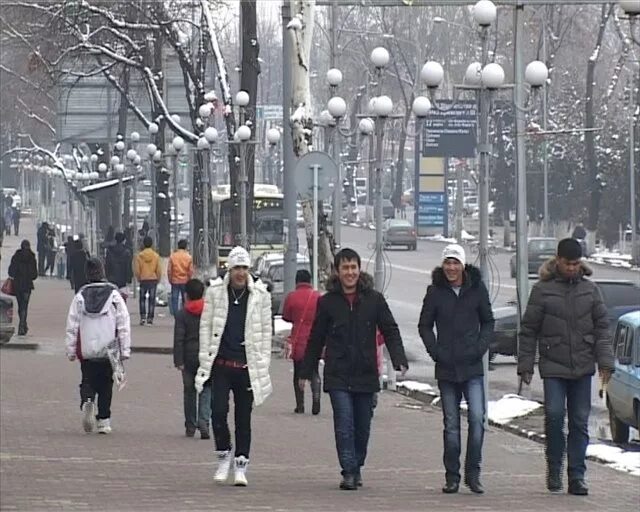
(8, 219)
(457, 303)
(235, 352)
(118, 266)
(78, 262)
(148, 272)
(52, 249)
(345, 323)
(24, 271)
(300, 309)
(42, 246)
(69, 248)
(179, 271)
(186, 347)
(567, 319)
(16, 220)
(98, 321)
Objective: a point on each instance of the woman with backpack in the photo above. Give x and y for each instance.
(23, 269)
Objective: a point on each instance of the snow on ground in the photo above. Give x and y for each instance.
(613, 258)
(510, 407)
(281, 326)
(413, 385)
(439, 238)
(616, 458)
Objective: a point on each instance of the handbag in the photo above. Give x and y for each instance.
(7, 286)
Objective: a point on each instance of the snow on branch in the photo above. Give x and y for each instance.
(26, 82)
(223, 76)
(32, 115)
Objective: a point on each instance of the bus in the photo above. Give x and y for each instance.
(266, 235)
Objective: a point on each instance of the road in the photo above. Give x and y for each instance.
(407, 275)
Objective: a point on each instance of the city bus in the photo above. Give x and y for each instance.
(266, 235)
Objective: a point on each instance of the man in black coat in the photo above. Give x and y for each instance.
(118, 266)
(23, 271)
(42, 246)
(457, 303)
(78, 261)
(345, 325)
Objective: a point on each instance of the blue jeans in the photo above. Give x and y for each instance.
(352, 424)
(177, 297)
(148, 288)
(451, 394)
(576, 393)
(197, 410)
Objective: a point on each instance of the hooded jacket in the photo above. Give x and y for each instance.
(464, 323)
(97, 316)
(568, 321)
(300, 309)
(348, 331)
(186, 335)
(23, 269)
(118, 265)
(180, 267)
(146, 266)
(257, 334)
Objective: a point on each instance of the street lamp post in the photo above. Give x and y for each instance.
(178, 145)
(119, 146)
(273, 138)
(334, 79)
(243, 134)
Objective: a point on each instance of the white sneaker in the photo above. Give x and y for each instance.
(104, 426)
(224, 464)
(240, 471)
(89, 416)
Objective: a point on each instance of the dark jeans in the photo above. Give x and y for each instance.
(352, 425)
(42, 255)
(51, 260)
(451, 394)
(178, 292)
(299, 393)
(224, 380)
(97, 378)
(148, 288)
(197, 410)
(576, 393)
(22, 298)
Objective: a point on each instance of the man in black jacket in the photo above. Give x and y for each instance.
(118, 266)
(457, 303)
(186, 346)
(346, 321)
(42, 246)
(78, 262)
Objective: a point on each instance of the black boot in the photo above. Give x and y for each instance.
(578, 488)
(315, 408)
(299, 393)
(348, 483)
(554, 480)
(473, 483)
(450, 487)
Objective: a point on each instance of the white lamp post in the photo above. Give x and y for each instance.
(273, 138)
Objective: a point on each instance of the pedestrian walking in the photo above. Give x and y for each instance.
(186, 347)
(24, 271)
(42, 246)
(16, 220)
(8, 219)
(346, 320)
(567, 319)
(78, 261)
(148, 271)
(235, 352)
(52, 249)
(98, 321)
(118, 265)
(457, 303)
(300, 309)
(69, 248)
(179, 271)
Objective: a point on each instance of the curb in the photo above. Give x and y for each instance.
(427, 398)
(20, 346)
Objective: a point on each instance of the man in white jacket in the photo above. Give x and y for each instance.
(98, 321)
(235, 352)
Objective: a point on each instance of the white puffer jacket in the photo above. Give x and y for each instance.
(257, 334)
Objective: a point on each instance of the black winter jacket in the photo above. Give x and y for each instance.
(24, 270)
(186, 340)
(78, 262)
(464, 323)
(118, 267)
(349, 335)
(569, 322)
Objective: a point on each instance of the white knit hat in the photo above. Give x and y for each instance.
(239, 257)
(454, 251)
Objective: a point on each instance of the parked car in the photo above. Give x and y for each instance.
(399, 232)
(619, 297)
(273, 277)
(6, 318)
(388, 210)
(539, 250)
(623, 391)
(470, 204)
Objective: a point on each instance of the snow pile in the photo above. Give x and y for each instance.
(439, 238)
(283, 328)
(612, 258)
(510, 407)
(616, 458)
(412, 385)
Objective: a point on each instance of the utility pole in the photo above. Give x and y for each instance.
(288, 157)
(337, 192)
(545, 146)
(485, 149)
(635, 251)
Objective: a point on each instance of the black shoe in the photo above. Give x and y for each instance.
(578, 488)
(358, 480)
(142, 321)
(190, 431)
(554, 481)
(450, 487)
(299, 410)
(348, 483)
(474, 485)
(315, 408)
(149, 321)
(204, 433)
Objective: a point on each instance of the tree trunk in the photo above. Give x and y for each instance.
(396, 197)
(122, 202)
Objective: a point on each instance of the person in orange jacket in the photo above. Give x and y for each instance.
(179, 271)
(148, 272)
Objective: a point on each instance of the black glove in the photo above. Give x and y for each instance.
(526, 377)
